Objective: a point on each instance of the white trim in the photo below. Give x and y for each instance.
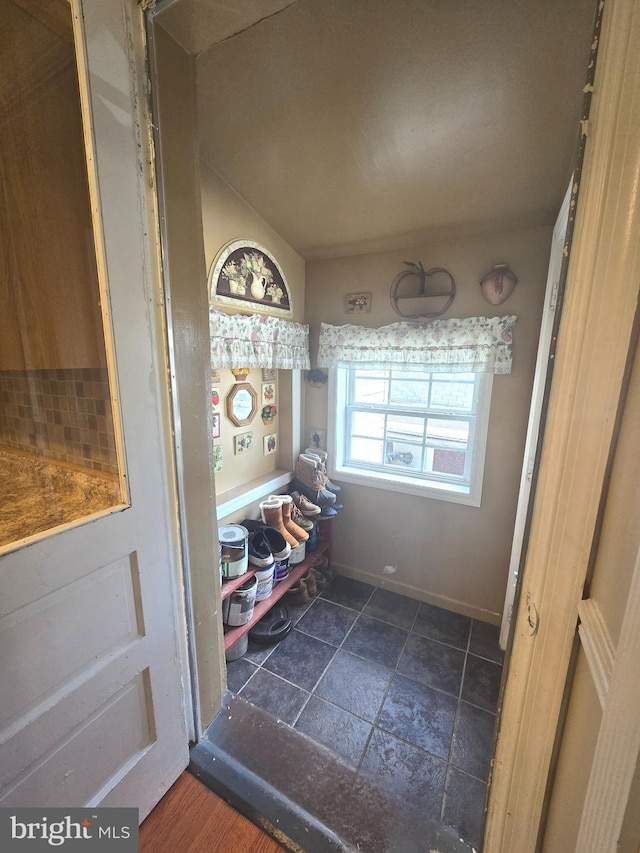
(442, 491)
(247, 493)
(593, 343)
(618, 745)
(443, 601)
(598, 646)
(535, 412)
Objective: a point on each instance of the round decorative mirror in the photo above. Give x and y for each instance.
(242, 404)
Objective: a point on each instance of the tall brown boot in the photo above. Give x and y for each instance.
(271, 510)
(293, 528)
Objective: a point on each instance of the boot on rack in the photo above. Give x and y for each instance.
(287, 519)
(299, 518)
(323, 456)
(309, 474)
(310, 582)
(297, 593)
(271, 510)
(305, 506)
(318, 577)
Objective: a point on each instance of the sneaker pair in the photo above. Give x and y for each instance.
(266, 545)
(321, 498)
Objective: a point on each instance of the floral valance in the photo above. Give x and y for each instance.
(252, 340)
(471, 345)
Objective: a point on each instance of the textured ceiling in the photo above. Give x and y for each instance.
(359, 125)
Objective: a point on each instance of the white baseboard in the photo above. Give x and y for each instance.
(386, 582)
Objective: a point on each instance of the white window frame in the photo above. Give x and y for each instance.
(443, 491)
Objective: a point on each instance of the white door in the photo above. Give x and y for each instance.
(535, 413)
(92, 654)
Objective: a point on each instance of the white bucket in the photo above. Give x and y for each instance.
(281, 570)
(237, 609)
(297, 554)
(238, 649)
(265, 582)
(234, 539)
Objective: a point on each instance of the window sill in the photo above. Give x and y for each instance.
(432, 490)
(245, 494)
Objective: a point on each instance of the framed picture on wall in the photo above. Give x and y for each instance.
(357, 303)
(242, 442)
(270, 443)
(215, 425)
(245, 275)
(318, 438)
(268, 393)
(217, 458)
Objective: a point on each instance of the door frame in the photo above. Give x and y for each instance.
(591, 356)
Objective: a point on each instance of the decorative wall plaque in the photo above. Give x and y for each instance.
(245, 275)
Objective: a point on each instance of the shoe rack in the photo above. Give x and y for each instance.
(232, 633)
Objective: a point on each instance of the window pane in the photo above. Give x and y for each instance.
(57, 441)
(372, 390)
(448, 461)
(453, 396)
(368, 424)
(405, 455)
(447, 433)
(412, 392)
(366, 450)
(405, 427)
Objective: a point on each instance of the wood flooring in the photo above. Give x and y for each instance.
(192, 819)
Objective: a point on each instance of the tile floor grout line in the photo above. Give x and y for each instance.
(394, 672)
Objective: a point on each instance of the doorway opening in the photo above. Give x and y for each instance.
(265, 668)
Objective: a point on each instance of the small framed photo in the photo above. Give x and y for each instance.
(268, 393)
(242, 442)
(357, 303)
(269, 374)
(215, 377)
(217, 458)
(215, 426)
(215, 400)
(318, 438)
(270, 443)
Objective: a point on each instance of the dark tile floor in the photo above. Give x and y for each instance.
(404, 692)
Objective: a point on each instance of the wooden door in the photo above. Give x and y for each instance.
(594, 807)
(93, 664)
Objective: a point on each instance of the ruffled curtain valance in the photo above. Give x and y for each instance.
(471, 345)
(255, 340)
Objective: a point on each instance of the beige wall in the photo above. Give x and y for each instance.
(451, 555)
(225, 217)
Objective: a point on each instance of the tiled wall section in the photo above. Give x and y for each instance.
(59, 414)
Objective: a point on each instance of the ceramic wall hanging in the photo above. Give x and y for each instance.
(245, 275)
(498, 284)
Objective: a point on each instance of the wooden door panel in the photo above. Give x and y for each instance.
(114, 735)
(53, 640)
